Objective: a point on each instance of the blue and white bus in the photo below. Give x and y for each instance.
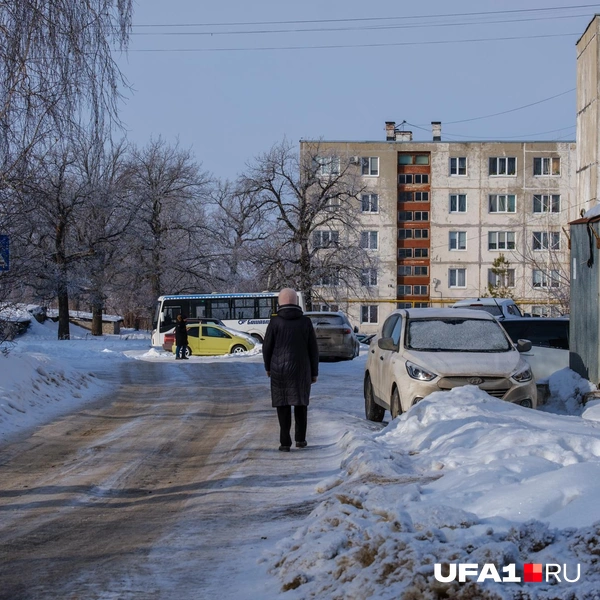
(249, 313)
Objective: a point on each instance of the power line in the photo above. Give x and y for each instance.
(350, 28)
(345, 46)
(350, 20)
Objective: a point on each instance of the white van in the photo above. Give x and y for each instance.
(501, 308)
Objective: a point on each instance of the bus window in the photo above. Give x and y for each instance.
(243, 308)
(266, 307)
(197, 309)
(169, 314)
(219, 309)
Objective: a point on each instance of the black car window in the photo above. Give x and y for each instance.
(388, 326)
(208, 331)
(193, 331)
(396, 331)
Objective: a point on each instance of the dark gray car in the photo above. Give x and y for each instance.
(336, 338)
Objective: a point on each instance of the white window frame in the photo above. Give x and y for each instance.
(369, 313)
(546, 203)
(454, 276)
(329, 279)
(368, 277)
(405, 270)
(546, 240)
(370, 202)
(501, 167)
(370, 166)
(506, 280)
(456, 200)
(369, 240)
(498, 199)
(543, 166)
(545, 279)
(501, 240)
(327, 238)
(328, 165)
(458, 166)
(420, 290)
(406, 290)
(457, 241)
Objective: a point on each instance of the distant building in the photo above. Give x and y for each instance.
(440, 212)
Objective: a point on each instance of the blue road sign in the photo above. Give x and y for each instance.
(4, 253)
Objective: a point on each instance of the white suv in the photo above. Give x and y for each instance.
(426, 350)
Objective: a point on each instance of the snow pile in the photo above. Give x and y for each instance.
(461, 478)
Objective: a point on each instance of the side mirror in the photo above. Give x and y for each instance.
(387, 344)
(523, 345)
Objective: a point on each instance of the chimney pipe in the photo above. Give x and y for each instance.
(390, 128)
(436, 129)
(404, 136)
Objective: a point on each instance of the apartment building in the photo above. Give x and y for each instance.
(441, 214)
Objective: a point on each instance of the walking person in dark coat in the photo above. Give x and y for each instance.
(181, 338)
(292, 362)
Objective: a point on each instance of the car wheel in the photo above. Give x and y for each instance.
(258, 338)
(238, 349)
(373, 411)
(188, 351)
(395, 406)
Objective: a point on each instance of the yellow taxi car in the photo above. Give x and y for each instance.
(211, 340)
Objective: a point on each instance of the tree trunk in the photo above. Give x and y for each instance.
(97, 310)
(64, 332)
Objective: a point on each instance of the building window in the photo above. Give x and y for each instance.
(458, 203)
(546, 203)
(421, 234)
(370, 165)
(328, 165)
(546, 166)
(405, 252)
(545, 279)
(404, 271)
(369, 240)
(329, 279)
(413, 159)
(368, 313)
(546, 240)
(325, 239)
(421, 270)
(501, 240)
(420, 290)
(405, 196)
(421, 215)
(421, 304)
(457, 278)
(501, 280)
(421, 196)
(502, 203)
(405, 215)
(405, 234)
(326, 307)
(405, 290)
(368, 277)
(421, 252)
(458, 240)
(416, 178)
(545, 311)
(370, 203)
(458, 165)
(404, 304)
(503, 165)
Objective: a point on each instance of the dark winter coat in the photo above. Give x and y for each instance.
(291, 355)
(181, 337)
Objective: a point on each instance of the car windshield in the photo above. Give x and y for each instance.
(456, 335)
(326, 319)
(493, 310)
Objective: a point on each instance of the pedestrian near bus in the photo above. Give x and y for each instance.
(291, 358)
(181, 338)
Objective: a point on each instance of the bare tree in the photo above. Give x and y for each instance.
(314, 202)
(170, 251)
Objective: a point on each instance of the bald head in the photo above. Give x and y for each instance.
(287, 296)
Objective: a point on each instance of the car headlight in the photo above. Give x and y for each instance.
(417, 372)
(523, 374)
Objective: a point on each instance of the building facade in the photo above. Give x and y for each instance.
(446, 219)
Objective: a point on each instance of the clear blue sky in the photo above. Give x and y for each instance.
(215, 87)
